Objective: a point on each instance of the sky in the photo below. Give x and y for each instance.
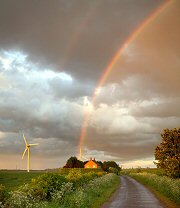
(52, 56)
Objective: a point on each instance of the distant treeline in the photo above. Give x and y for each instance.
(73, 162)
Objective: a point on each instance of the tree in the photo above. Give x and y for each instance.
(168, 152)
(100, 163)
(108, 164)
(73, 162)
(113, 170)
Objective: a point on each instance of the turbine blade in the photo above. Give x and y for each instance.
(25, 140)
(34, 144)
(24, 153)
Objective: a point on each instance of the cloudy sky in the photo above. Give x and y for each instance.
(52, 56)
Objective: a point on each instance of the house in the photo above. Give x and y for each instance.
(92, 164)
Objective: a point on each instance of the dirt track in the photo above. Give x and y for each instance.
(132, 194)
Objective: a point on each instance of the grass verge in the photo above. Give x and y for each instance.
(166, 189)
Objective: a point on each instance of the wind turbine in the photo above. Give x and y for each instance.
(28, 149)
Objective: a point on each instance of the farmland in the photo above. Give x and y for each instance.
(11, 179)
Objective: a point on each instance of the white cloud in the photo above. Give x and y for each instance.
(17, 62)
(146, 162)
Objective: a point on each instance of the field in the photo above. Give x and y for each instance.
(156, 171)
(60, 188)
(11, 179)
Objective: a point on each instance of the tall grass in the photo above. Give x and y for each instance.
(157, 171)
(164, 185)
(92, 194)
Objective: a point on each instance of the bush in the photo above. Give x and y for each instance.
(24, 196)
(46, 184)
(79, 179)
(108, 164)
(41, 188)
(66, 189)
(92, 193)
(74, 174)
(20, 198)
(113, 170)
(2, 193)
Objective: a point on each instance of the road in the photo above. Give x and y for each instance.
(132, 194)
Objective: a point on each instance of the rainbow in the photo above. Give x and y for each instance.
(78, 33)
(112, 63)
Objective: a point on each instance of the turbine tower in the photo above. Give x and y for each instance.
(27, 148)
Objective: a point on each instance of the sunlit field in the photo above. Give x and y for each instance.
(11, 179)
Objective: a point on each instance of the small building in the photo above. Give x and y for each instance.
(92, 164)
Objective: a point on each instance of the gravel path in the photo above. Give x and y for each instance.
(132, 194)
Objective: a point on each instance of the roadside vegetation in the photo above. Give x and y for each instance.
(164, 185)
(157, 171)
(165, 179)
(92, 194)
(166, 188)
(67, 188)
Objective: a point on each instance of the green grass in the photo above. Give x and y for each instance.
(13, 179)
(107, 191)
(157, 171)
(164, 185)
(90, 196)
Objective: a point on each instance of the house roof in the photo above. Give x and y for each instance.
(92, 161)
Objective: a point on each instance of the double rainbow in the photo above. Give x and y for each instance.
(114, 60)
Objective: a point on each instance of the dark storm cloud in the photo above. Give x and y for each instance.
(168, 108)
(61, 119)
(92, 31)
(71, 90)
(125, 140)
(125, 147)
